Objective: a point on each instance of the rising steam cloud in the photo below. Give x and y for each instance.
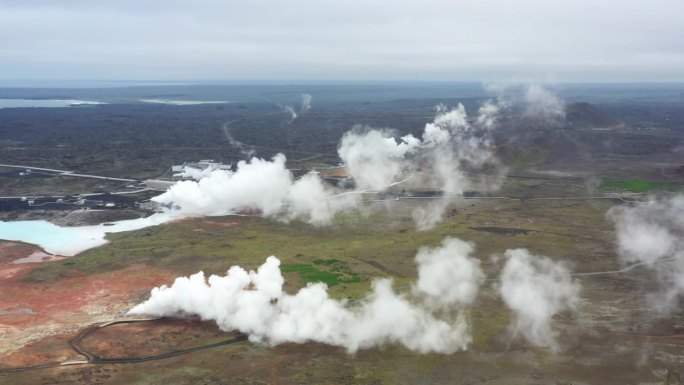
(652, 233)
(536, 101)
(449, 147)
(428, 319)
(453, 154)
(244, 149)
(536, 288)
(261, 185)
(542, 103)
(306, 103)
(291, 112)
(304, 107)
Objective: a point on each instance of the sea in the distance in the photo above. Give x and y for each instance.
(18, 103)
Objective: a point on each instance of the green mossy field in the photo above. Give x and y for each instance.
(639, 186)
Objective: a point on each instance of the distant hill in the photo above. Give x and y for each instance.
(585, 115)
(579, 141)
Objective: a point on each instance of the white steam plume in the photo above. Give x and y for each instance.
(266, 186)
(536, 288)
(488, 113)
(536, 101)
(542, 103)
(373, 158)
(450, 146)
(652, 233)
(306, 103)
(244, 149)
(448, 274)
(254, 303)
(291, 112)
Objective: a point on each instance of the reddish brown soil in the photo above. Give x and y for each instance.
(223, 224)
(30, 311)
(49, 349)
(144, 339)
(208, 225)
(10, 272)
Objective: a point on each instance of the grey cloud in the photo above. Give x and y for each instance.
(484, 40)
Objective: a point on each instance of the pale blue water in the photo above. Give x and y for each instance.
(69, 241)
(52, 238)
(14, 103)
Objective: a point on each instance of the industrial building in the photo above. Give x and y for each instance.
(180, 171)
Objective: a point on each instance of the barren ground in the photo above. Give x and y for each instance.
(613, 339)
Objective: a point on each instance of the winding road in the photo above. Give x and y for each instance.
(92, 359)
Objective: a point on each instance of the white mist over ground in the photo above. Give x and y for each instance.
(304, 107)
(449, 147)
(542, 103)
(454, 154)
(306, 103)
(536, 288)
(536, 101)
(374, 159)
(448, 274)
(652, 233)
(290, 111)
(442, 159)
(258, 184)
(430, 319)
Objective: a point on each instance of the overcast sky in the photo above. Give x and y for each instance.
(481, 40)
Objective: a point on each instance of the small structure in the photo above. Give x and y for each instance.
(188, 169)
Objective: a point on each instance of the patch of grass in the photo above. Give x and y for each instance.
(489, 319)
(308, 273)
(185, 374)
(339, 272)
(639, 185)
